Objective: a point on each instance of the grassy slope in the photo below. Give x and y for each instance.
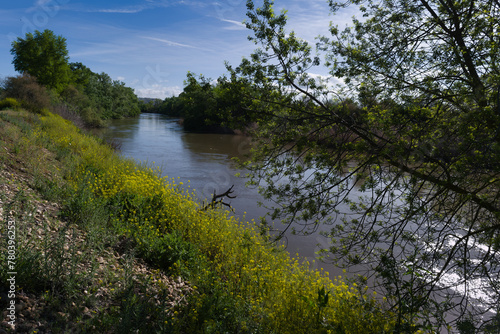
(105, 243)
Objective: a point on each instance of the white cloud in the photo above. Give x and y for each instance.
(131, 10)
(235, 25)
(101, 49)
(169, 43)
(158, 91)
(149, 5)
(42, 2)
(330, 81)
(45, 7)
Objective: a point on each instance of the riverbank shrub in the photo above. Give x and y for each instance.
(9, 103)
(25, 89)
(242, 284)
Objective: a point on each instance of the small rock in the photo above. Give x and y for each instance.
(20, 306)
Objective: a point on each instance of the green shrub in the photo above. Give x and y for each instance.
(9, 103)
(92, 118)
(44, 111)
(169, 252)
(29, 92)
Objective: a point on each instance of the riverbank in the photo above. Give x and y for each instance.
(104, 243)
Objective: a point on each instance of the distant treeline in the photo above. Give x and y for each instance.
(48, 81)
(206, 105)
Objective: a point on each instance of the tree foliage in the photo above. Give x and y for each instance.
(199, 103)
(44, 56)
(402, 160)
(111, 98)
(206, 105)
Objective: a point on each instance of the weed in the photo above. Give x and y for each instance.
(169, 252)
(9, 103)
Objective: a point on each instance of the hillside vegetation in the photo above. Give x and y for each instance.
(104, 242)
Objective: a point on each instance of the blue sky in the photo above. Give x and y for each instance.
(151, 44)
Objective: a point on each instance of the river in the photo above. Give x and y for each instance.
(204, 163)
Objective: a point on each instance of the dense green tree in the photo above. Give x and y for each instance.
(152, 105)
(172, 106)
(232, 102)
(409, 146)
(110, 98)
(44, 56)
(99, 90)
(80, 75)
(199, 105)
(208, 106)
(125, 102)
